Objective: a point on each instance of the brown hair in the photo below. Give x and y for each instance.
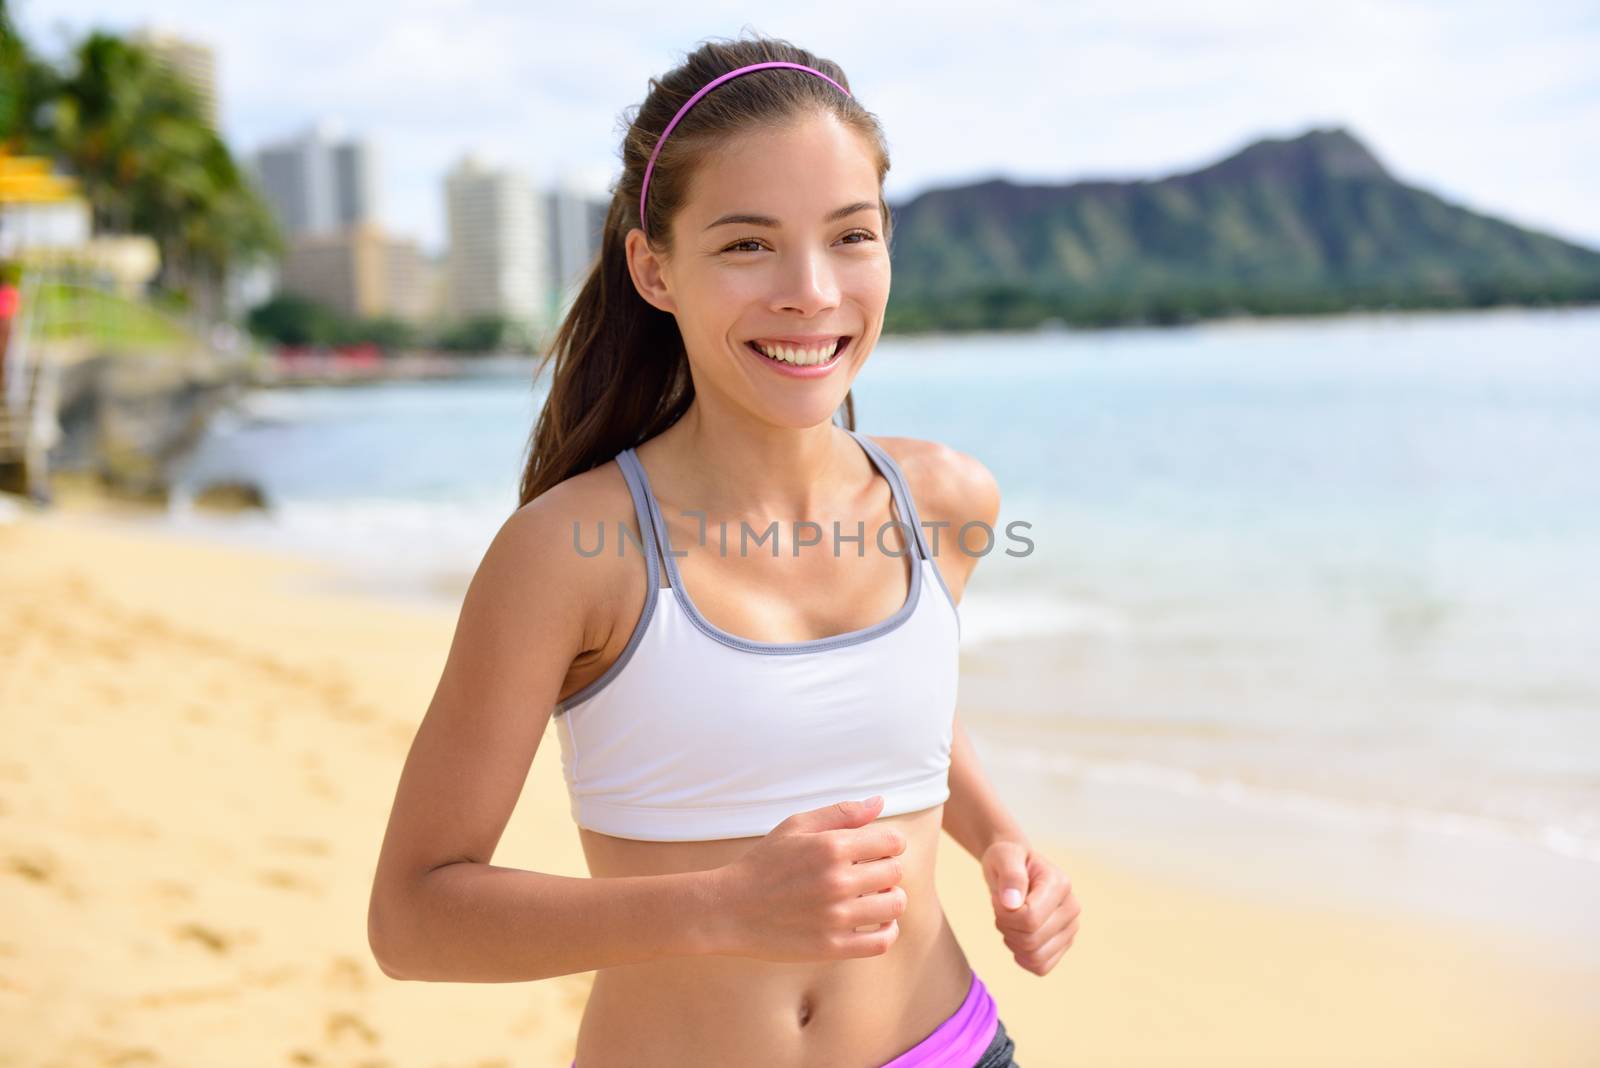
(621, 375)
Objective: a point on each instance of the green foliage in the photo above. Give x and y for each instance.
(484, 333)
(14, 60)
(1003, 308)
(386, 332)
(293, 320)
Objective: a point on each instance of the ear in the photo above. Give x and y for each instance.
(646, 269)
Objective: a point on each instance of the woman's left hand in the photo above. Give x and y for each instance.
(1034, 907)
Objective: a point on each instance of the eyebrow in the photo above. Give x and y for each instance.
(747, 219)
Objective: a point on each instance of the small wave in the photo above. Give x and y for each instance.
(411, 541)
(261, 408)
(994, 617)
(1356, 813)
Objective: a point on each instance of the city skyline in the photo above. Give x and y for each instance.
(1483, 110)
(513, 249)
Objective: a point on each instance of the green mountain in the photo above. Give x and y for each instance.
(1302, 225)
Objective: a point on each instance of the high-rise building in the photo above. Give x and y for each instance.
(498, 260)
(355, 182)
(575, 222)
(315, 184)
(194, 62)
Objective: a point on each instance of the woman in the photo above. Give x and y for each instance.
(760, 744)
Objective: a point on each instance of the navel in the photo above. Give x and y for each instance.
(805, 1009)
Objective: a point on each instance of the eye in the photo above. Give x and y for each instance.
(865, 235)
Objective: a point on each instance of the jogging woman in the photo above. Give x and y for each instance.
(730, 602)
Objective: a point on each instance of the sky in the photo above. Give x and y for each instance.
(1493, 106)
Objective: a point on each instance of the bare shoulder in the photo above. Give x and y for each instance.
(542, 602)
(950, 489)
(550, 543)
(946, 483)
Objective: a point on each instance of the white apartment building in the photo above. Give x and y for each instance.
(498, 261)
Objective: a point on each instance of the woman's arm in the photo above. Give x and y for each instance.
(472, 922)
(1034, 904)
(974, 814)
(439, 909)
(956, 488)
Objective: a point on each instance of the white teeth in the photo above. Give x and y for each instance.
(798, 356)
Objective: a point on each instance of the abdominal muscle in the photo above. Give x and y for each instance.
(725, 1010)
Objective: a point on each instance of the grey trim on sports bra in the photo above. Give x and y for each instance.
(916, 520)
(634, 475)
(903, 513)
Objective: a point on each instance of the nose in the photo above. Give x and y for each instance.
(808, 284)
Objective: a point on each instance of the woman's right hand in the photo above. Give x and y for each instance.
(821, 885)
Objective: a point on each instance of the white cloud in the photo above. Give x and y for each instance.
(1489, 105)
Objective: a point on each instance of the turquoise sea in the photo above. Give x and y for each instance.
(1343, 572)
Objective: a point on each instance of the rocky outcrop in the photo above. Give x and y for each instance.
(127, 418)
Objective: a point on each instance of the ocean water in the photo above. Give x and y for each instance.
(1347, 568)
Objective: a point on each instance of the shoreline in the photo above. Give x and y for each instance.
(202, 748)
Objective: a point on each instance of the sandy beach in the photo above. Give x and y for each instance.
(198, 749)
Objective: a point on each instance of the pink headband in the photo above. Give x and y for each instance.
(712, 84)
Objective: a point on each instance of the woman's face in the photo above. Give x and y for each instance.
(781, 240)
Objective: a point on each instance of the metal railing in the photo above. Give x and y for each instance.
(18, 348)
(29, 426)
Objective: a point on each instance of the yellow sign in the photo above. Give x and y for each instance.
(28, 180)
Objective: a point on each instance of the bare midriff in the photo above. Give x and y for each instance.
(739, 1010)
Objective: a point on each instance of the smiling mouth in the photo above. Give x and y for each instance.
(803, 357)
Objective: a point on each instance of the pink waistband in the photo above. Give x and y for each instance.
(959, 1041)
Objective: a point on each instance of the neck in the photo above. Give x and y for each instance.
(759, 472)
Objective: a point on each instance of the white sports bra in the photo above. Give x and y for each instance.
(697, 734)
